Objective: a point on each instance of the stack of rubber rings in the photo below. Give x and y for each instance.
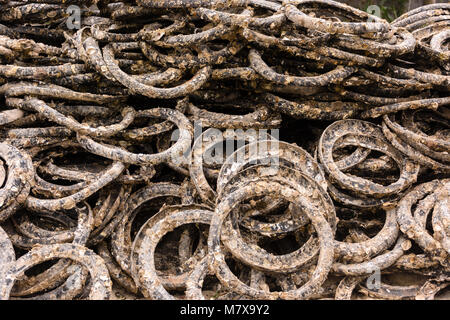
(227, 149)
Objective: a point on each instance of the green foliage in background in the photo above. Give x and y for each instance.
(390, 10)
